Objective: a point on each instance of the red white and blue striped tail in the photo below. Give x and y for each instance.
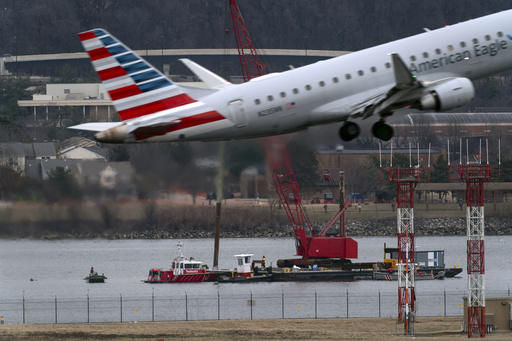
(136, 87)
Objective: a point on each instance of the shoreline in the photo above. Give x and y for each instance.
(169, 220)
(60, 230)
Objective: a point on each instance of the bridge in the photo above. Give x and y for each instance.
(214, 59)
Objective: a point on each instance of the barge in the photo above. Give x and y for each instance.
(186, 270)
(426, 262)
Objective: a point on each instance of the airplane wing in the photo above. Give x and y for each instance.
(444, 93)
(212, 80)
(406, 85)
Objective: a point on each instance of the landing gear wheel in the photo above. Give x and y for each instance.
(349, 131)
(382, 131)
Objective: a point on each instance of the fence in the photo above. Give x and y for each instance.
(187, 307)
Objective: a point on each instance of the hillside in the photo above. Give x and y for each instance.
(51, 26)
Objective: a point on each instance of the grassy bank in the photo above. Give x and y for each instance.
(425, 328)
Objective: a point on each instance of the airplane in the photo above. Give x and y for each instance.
(433, 70)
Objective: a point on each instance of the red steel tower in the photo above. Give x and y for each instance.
(475, 174)
(405, 178)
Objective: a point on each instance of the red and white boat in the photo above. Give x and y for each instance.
(182, 270)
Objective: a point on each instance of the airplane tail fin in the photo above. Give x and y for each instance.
(136, 87)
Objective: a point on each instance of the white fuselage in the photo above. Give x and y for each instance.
(338, 89)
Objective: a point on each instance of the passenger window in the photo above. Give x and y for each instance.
(450, 48)
(321, 83)
(257, 101)
(335, 80)
(348, 76)
(360, 72)
(487, 37)
(388, 65)
(500, 34)
(270, 98)
(438, 51)
(283, 94)
(373, 69)
(295, 91)
(462, 44)
(475, 41)
(425, 54)
(308, 87)
(413, 58)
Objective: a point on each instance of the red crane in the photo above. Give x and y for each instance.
(249, 60)
(312, 245)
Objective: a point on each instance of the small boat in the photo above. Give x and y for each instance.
(95, 278)
(182, 270)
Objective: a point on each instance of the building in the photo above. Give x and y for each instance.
(84, 153)
(254, 184)
(463, 125)
(16, 154)
(498, 314)
(93, 99)
(342, 158)
(106, 179)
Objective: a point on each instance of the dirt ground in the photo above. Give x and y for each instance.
(425, 328)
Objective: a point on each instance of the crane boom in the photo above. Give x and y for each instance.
(251, 65)
(287, 188)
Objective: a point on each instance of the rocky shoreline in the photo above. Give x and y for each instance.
(275, 229)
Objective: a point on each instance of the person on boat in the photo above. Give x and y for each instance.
(92, 270)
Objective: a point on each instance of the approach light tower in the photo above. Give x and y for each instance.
(475, 174)
(405, 178)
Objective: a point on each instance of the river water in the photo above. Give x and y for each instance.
(50, 270)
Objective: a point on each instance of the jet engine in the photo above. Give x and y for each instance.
(113, 135)
(451, 94)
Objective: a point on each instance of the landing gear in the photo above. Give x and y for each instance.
(382, 131)
(349, 131)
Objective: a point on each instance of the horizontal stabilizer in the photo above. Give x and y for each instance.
(212, 80)
(96, 126)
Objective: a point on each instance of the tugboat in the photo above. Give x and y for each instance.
(247, 271)
(182, 270)
(94, 277)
